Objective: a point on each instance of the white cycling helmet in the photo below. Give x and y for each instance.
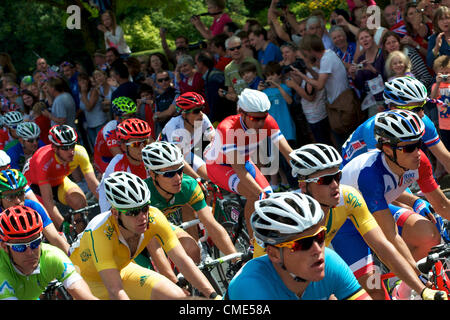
(253, 101)
(125, 190)
(161, 154)
(315, 157)
(283, 216)
(398, 125)
(13, 118)
(28, 130)
(4, 159)
(404, 90)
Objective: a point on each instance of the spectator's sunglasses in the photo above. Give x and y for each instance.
(22, 247)
(235, 48)
(138, 144)
(409, 148)
(163, 79)
(134, 212)
(171, 174)
(256, 119)
(326, 179)
(415, 108)
(305, 243)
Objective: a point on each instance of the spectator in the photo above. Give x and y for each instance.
(158, 63)
(219, 107)
(144, 62)
(134, 69)
(368, 72)
(248, 50)
(292, 31)
(266, 50)
(233, 81)
(126, 88)
(215, 10)
(344, 49)
(113, 34)
(392, 42)
(104, 88)
(418, 30)
(352, 4)
(145, 105)
(91, 105)
(71, 74)
(230, 28)
(439, 42)
(29, 99)
(63, 109)
(111, 56)
(397, 65)
(12, 93)
(316, 25)
(6, 65)
(189, 79)
(390, 15)
(441, 91)
(181, 42)
(289, 53)
(248, 72)
(220, 51)
(42, 121)
(164, 101)
(100, 60)
(332, 74)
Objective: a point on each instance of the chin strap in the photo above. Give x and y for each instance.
(157, 183)
(295, 277)
(394, 159)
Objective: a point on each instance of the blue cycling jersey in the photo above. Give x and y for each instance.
(17, 156)
(363, 139)
(40, 209)
(258, 280)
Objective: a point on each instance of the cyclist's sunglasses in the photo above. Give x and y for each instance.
(194, 111)
(22, 247)
(134, 212)
(171, 174)
(32, 140)
(256, 119)
(138, 144)
(13, 196)
(415, 108)
(67, 148)
(410, 148)
(327, 179)
(305, 243)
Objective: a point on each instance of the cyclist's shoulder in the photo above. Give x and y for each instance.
(109, 127)
(43, 154)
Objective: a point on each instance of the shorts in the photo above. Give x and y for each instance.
(138, 282)
(352, 248)
(194, 161)
(225, 177)
(59, 191)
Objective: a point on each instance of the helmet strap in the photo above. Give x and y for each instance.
(157, 184)
(134, 159)
(394, 159)
(295, 277)
(309, 194)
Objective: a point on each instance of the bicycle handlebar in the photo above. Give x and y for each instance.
(438, 252)
(188, 224)
(71, 211)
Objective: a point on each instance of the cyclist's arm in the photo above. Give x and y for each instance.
(442, 154)
(115, 150)
(79, 290)
(190, 271)
(159, 258)
(439, 202)
(92, 182)
(113, 283)
(284, 148)
(189, 170)
(387, 224)
(52, 235)
(49, 204)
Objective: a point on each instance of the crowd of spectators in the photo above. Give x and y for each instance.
(303, 64)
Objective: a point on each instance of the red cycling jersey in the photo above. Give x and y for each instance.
(106, 139)
(45, 168)
(233, 135)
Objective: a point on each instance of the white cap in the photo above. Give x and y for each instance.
(253, 101)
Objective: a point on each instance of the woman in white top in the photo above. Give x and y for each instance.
(91, 104)
(113, 33)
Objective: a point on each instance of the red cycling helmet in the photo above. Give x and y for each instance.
(133, 129)
(19, 222)
(62, 135)
(189, 100)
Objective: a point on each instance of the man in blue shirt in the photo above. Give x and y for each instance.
(267, 51)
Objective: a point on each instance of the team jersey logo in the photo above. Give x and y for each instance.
(6, 289)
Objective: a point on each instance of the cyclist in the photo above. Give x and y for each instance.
(48, 172)
(11, 120)
(27, 265)
(172, 190)
(404, 93)
(382, 177)
(28, 138)
(132, 135)
(297, 265)
(317, 168)
(106, 144)
(189, 130)
(237, 137)
(110, 242)
(12, 193)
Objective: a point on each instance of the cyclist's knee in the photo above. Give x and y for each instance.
(372, 284)
(166, 290)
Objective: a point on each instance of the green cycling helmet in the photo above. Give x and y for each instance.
(12, 179)
(123, 105)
